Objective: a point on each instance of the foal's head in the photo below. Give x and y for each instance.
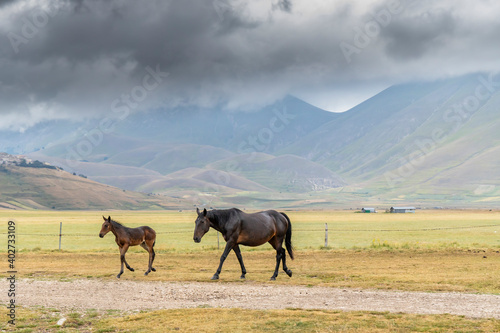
(106, 226)
(202, 224)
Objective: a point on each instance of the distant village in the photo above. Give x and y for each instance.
(7, 159)
(22, 161)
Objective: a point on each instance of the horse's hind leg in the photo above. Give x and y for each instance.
(277, 245)
(153, 258)
(278, 260)
(283, 258)
(151, 252)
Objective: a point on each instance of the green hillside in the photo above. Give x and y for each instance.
(416, 142)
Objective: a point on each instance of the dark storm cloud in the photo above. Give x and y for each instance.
(88, 57)
(285, 5)
(414, 35)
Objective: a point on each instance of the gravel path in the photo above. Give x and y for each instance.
(132, 295)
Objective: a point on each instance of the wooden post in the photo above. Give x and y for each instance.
(326, 234)
(60, 235)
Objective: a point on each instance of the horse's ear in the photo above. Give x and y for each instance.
(104, 218)
(197, 211)
(204, 212)
(109, 218)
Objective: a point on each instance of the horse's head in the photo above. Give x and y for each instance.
(106, 226)
(202, 224)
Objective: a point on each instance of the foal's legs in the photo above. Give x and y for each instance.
(236, 249)
(151, 252)
(123, 250)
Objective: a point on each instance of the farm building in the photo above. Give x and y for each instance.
(402, 209)
(368, 210)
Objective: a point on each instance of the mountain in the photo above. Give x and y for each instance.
(420, 143)
(183, 152)
(264, 130)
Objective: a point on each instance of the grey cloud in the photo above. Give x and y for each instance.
(285, 5)
(230, 53)
(414, 34)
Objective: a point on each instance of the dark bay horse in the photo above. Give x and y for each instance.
(125, 237)
(255, 229)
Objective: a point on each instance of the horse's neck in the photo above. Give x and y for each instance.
(116, 229)
(215, 223)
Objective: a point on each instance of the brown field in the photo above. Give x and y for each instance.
(456, 251)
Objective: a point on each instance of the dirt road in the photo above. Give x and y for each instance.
(130, 295)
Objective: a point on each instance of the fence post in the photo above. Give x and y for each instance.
(60, 234)
(326, 234)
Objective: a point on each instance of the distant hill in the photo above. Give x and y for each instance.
(46, 188)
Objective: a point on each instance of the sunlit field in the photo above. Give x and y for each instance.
(39, 230)
(425, 251)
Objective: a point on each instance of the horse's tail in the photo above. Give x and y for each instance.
(288, 237)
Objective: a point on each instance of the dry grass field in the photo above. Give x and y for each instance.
(237, 320)
(432, 251)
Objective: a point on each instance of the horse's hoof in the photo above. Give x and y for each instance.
(273, 278)
(118, 276)
(131, 269)
(242, 277)
(146, 273)
(215, 277)
(289, 272)
(153, 269)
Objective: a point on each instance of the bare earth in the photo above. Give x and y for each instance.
(131, 296)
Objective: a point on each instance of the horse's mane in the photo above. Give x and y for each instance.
(116, 224)
(222, 215)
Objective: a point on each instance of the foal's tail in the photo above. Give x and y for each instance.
(288, 237)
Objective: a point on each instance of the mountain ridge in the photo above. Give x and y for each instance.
(432, 143)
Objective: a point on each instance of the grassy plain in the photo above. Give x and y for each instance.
(427, 251)
(347, 230)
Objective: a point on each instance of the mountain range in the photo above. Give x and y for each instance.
(420, 143)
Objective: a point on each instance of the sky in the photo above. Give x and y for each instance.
(89, 58)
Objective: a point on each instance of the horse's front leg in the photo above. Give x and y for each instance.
(236, 249)
(123, 250)
(229, 246)
(121, 262)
